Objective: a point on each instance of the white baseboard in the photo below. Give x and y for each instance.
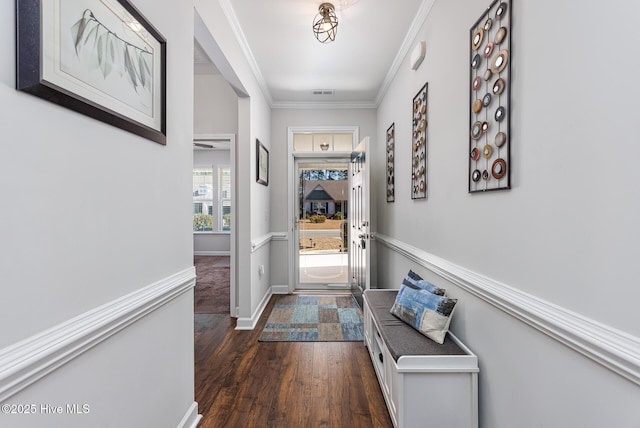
(191, 418)
(612, 348)
(27, 361)
(212, 253)
(250, 323)
(280, 289)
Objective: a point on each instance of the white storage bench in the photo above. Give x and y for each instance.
(425, 385)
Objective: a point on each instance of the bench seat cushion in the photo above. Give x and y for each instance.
(400, 338)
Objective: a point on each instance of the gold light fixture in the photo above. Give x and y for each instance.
(325, 24)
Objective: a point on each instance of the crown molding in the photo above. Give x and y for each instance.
(412, 33)
(416, 25)
(323, 105)
(230, 14)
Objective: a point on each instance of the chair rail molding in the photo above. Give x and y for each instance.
(27, 361)
(610, 347)
(260, 242)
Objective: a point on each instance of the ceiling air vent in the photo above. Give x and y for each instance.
(322, 92)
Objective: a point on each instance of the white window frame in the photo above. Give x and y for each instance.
(221, 199)
(205, 207)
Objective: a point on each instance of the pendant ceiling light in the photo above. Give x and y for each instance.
(325, 24)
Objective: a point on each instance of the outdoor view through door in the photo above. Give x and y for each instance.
(322, 194)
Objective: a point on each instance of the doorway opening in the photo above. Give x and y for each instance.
(213, 211)
(318, 189)
(322, 225)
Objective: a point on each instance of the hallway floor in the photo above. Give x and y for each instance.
(240, 382)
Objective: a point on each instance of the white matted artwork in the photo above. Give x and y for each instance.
(262, 163)
(99, 57)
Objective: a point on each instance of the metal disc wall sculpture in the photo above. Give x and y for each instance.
(391, 181)
(419, 146)
(489, 99)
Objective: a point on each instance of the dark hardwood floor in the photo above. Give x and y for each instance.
(241, 382)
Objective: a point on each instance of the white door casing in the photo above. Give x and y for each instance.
(292, 155)
(233, 286)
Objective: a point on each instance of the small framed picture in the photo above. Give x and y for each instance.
(262, 163)
(101, 58)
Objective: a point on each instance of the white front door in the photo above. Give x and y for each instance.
(359, 220)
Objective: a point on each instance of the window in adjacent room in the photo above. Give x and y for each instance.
(203, 199)
(224, 201)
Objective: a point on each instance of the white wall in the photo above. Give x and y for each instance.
(91, 241)
(566, 232)
(215, 105)
(282, 119)
(212, 243)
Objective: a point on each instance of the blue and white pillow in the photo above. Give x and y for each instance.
(415, 280)
(428, 313)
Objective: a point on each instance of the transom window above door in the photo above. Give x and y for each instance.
(322, 142)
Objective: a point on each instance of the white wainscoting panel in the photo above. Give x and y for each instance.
(27, 361)
(610, 347)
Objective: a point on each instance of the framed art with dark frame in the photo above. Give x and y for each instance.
(101, 58)
(391, 181)
(419, 146)
(262, 163)
(490, 58)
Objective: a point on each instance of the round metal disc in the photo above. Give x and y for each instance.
(499, 168)
(486, 100)
(476, 106)
(475, 85)
(487, 151)
(499, 61)
(476, 130)
(498, 86)
(501, 10)
(475, 62)
(500, 35)
(475, 176)
(500, 139)
(488, 49)
(476, 39)
(500, 114)
(475, 154)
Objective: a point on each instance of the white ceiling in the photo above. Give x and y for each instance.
(289, 63)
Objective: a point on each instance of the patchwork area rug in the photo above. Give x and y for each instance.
(309, 318)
